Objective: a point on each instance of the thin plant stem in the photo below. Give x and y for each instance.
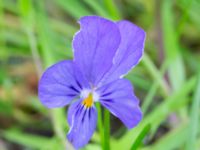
(34, 51)
(155, 74)
(154, 88)
(106, 130)
(100, 124)
(57, 115)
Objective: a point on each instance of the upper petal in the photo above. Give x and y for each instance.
(60, 84)
(95, 46)
(129, 52)
(82, 123)
(118, 97)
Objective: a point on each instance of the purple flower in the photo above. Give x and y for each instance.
(104, 51)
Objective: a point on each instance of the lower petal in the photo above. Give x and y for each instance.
(118, 97)
(83, 123)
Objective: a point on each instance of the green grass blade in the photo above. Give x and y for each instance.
(3, 53)
(6, 108)
(44, 35)
(171, 46)
(111, 7)
(176, 70)
(140, 137)
(73, 7)
(169, 141)
(28, 140)
(160, 113)
(190, 12)
(152, 91)
(194, 118)
(138, 81)
(185, 16)
(58, 117)
(26, 14)
(98, 8)
(155, 73)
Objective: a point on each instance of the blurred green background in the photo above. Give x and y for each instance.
(37, 33)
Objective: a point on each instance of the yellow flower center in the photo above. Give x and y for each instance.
(88, 102)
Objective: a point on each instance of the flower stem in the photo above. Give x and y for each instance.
(106, 130)
(100, 124)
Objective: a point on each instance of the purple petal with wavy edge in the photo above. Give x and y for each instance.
(129, 52)
(95, 46)
(83, 123)
(118, 97)
(60, 84)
